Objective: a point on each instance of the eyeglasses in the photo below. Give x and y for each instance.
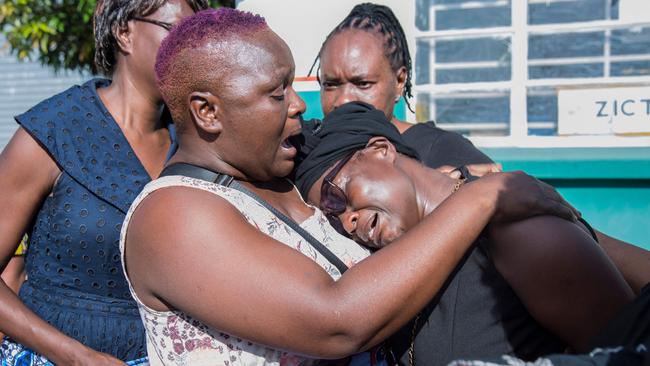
(167, 26)
(333, 200)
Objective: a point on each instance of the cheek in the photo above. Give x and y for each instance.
(327, 100)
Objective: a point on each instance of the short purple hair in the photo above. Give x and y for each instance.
(173, 74)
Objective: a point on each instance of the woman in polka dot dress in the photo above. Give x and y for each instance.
(69, 175)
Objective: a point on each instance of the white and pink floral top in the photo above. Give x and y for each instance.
(175, 338)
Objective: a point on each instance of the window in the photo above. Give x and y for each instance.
(492, 69)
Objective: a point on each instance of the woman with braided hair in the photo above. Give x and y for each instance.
(366, 58)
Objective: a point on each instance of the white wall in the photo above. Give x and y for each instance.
(304, 24)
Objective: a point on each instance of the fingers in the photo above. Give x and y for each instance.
(449, 170)
(480, 170)
(557, 205)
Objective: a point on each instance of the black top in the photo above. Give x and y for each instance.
(476, 313)
(438, 147)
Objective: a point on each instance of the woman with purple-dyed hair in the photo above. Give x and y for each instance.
(243, 272)
(69, 175)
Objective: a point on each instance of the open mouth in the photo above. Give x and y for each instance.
(287, 143)
(296, 139)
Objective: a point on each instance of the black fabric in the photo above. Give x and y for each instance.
(475, 315)
(346, 129)
(630, 327)
(624, 342)
(438, 147)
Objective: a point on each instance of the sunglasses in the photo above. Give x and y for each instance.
(333, 200)
(165, 25)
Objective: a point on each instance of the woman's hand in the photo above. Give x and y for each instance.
(520, 196)
(477, 170)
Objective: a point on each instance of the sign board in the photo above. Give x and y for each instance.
(604, 111)
(634, 10)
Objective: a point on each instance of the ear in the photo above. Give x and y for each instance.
(401, 83)
(123, 37)
(379, 147)
(204, 107)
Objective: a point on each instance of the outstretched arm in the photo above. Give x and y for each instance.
(253, 287)
(561, 275)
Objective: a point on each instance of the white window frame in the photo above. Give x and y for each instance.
(517, 86)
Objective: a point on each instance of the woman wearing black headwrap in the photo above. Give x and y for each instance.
(366, 58)
(495, 302)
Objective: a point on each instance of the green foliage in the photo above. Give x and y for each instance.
(58, 33)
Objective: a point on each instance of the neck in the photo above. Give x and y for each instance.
(212, 160)
(402, 126)
(431, 186)
(133, 105)
(203, 157)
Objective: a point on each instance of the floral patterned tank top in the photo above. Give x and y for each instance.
(175, 338)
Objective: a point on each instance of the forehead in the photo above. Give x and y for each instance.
(173, 11)
(260, 59)
(353, 50)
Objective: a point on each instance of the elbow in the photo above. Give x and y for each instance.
(339, 346)
(347, 337)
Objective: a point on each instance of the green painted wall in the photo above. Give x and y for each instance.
(312, 99)
(610, 186)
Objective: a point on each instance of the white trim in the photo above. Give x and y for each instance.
(519, 67)
(453, 126)
(607, 47)
(494, 32)
(470, 65)
(472, 5)
(461, 87)
(562, 141)
(606, 59)
(477, 126)
(589, 82)
(578, 27)
(505, 85)
(472, 95)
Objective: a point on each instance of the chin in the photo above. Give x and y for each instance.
(283, 169)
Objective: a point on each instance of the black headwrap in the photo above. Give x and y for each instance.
(346, 129)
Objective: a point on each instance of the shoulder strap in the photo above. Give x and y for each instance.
(198, 172)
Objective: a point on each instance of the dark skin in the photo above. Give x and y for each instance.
(559, 272)
(136, 105)
(291, 302)
(354, 68)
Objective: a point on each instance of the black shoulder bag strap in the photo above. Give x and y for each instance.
(195, 171)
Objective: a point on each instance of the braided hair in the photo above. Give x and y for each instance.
(380, 19)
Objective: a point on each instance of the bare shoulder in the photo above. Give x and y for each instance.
(561, 274)
(542, 234)
(178, 214)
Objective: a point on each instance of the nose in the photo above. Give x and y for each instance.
(296, 104)
(349, 220)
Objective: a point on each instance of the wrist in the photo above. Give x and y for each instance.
(486, 194)
(71, 352)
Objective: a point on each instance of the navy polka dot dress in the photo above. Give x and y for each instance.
(75, 280)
